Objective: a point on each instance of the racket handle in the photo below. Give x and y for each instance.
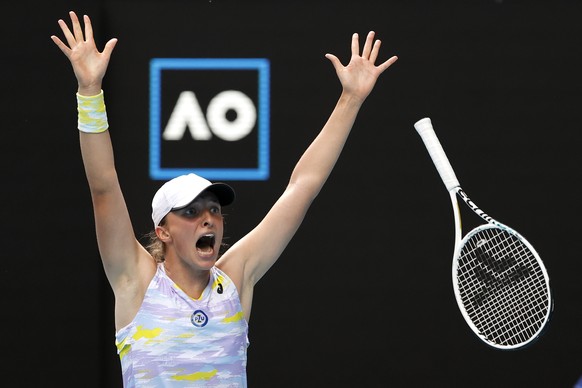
(436, 152)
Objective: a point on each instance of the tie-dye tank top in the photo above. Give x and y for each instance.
(177, 341)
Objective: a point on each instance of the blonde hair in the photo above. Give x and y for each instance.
(156, 247)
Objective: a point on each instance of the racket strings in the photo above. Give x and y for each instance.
(511, 325)
(502, 286)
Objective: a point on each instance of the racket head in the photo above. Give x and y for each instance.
(501, 286)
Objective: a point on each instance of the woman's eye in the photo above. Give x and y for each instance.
(190, 212)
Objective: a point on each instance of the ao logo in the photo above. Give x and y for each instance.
(198, 125)
(188, 114)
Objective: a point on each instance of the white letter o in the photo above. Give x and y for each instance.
(246, 115)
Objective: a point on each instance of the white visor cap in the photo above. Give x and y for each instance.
(180, 191)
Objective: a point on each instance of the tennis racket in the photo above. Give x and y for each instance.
(500, 283)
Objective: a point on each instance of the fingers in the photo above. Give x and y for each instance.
(72, 37)
(371, 48)
(371, 51)
(64, 48)
(375, 51)
(368, 45)
(109, 46)
(88, 28)
(387, 63)
(355, 45)
(77, 30)
(75, 37)
(334, 61)
(68, 35)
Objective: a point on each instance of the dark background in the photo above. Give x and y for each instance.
(362, 296)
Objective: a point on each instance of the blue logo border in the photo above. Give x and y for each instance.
(157, 172)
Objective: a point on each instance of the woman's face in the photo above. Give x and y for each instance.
(194, 233)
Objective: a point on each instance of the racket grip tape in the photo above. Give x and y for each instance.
(426, 131)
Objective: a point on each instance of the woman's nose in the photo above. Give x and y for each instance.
(207, 222)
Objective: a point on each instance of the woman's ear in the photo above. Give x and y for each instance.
(162, 234)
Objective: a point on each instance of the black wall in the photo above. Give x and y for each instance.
(362, 296)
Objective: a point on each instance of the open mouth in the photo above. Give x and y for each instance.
(206, 243)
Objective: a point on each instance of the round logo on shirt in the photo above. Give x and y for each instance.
(199, 318)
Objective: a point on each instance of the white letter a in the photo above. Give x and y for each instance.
(187, 113)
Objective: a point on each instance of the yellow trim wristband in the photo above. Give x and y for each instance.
(92, 113)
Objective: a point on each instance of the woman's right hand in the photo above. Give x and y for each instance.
(88, 63)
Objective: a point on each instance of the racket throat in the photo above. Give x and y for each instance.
(473, 206)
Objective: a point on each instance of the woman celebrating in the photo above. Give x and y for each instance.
(181, 311)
